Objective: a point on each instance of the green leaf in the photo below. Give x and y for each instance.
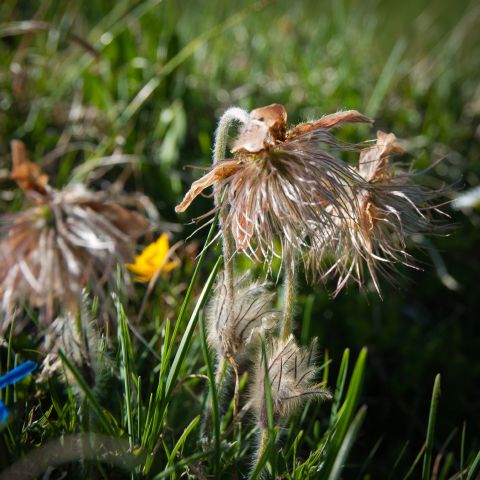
(89, 394)
(427, 460)
(213, 396)
(188, 334)
(347, 443)
(475, 468)
(126, 357)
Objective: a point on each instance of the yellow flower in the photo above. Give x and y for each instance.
(152, 259)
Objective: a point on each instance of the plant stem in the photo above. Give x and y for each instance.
(262, 447)
(220, 373)
(290, 288)
(230, 116)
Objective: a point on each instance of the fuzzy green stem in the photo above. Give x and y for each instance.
(230, 116)
(290, 288)
(264, 440)
(221, 371)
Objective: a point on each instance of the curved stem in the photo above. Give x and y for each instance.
(230, 116)
(290, 288)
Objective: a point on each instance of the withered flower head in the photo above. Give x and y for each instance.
(292, 372)
(64, 241)
(77, 335)
(392, 207)
(284, 185)
(234, 331)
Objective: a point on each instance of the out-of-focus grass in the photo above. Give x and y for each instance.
(141, 102)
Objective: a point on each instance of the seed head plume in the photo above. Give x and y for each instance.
(232, 332)
(292, 372)
(392, 207)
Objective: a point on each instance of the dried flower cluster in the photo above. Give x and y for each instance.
(65, 240)
(288, 187)
(286, 192)
(284, 186)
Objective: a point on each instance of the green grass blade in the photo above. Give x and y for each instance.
(475, 468)
(415, 462)
(398, 460)
(213, 396)
(342, 375)
(147, 90)
(268, 389)
(183, 463)
(427, 460)
(462, 450)
(125, 372)
(88, 393)
(183, 309)
(187, 336)
(307, 319)
(347, 443)
(385, 78)
(345, 414)
(183, 439)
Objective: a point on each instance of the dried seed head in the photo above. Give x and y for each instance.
(284, 186)
(391, 208)
(235, 331)
(292, 372)
(77, 335)
(68, 239)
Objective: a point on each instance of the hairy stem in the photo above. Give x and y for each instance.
(264, 440)
(290, 288)
(229, 117)
(221, 371)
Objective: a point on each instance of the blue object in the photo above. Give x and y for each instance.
(11, 377)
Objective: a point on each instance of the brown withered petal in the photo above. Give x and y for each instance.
(219, 172)
(28, 175)
(69, 239)
(285, 186)
(291, 371)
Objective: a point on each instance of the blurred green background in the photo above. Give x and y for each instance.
(99, 88)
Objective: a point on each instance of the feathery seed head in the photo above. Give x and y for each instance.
(391, 208)
(233, 332)
(292, 372)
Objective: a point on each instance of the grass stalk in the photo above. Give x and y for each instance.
(290, 290)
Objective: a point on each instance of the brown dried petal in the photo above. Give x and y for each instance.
(132, 223)
(28, 175)
(374, 160)
(328, 121)
(219, 172)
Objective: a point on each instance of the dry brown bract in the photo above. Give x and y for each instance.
(284, 185)
(64, 241)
